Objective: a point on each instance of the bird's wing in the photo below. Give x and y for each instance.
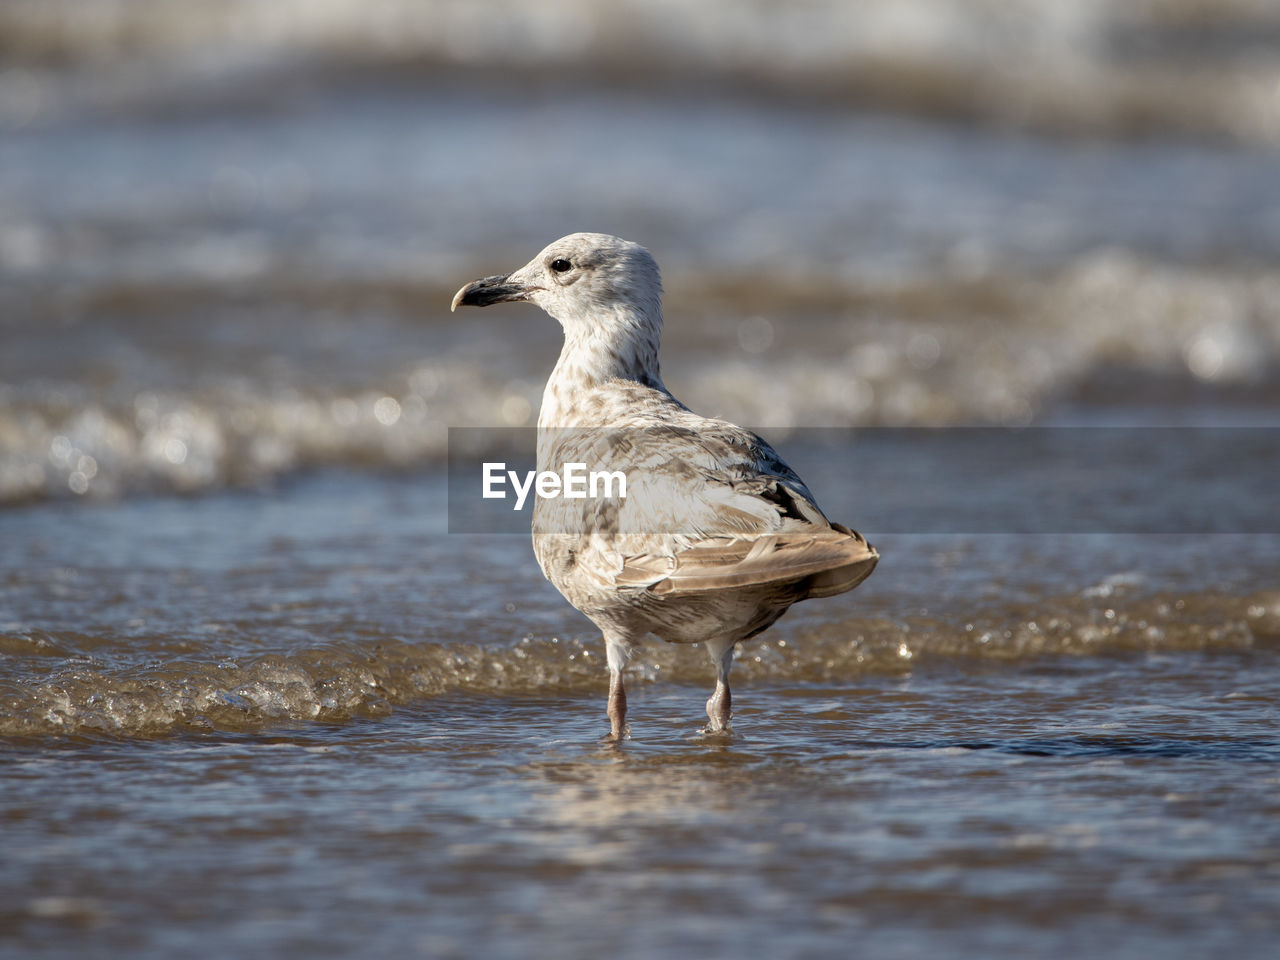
(709, 506)
(831, 560)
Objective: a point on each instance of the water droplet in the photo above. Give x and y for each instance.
(387, 411)
(1204, 357)
(175, 451)
(60, 449)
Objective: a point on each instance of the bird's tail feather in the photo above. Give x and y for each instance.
(827, 561)
(863, 560)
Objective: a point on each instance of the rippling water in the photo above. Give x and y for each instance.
(254, 695)
(960, 279)
(313, 720)
(342, 596)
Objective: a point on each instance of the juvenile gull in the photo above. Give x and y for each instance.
(717, 537)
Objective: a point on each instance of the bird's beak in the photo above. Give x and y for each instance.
(487, 290)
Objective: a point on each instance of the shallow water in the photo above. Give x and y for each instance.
(342, 595)
(256, 697)
(313, 720)
(1034, 807)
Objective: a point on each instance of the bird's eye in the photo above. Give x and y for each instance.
(560, 266)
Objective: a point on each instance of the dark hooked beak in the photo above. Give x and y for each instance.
(487, 290)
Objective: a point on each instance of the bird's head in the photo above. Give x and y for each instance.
(590, 282)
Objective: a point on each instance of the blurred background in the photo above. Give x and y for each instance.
(229, 231)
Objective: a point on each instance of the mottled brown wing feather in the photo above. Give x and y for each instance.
(832, 560)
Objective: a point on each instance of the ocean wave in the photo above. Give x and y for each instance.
(934, 350)
(1080, 67)
(57, 691)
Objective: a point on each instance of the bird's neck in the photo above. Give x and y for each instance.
(623, 346)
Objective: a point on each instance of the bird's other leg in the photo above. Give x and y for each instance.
(618, 650)
(720, 704)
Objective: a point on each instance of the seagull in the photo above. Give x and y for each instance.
(716, 537)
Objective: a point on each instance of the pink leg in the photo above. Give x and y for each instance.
(719, 708)
(617, 705)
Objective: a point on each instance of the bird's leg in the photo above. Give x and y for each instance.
(617, 705)
(720, 704)
(618, 648)
(719, 708)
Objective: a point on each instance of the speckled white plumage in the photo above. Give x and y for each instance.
(717, 537)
